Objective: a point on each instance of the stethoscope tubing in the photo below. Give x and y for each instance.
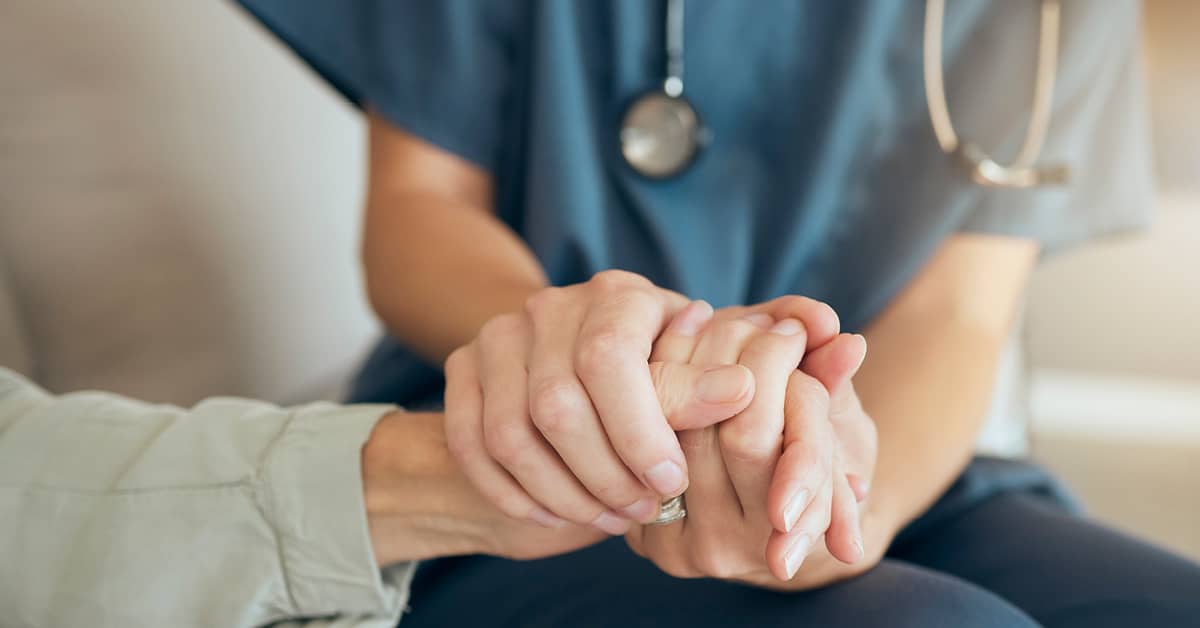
(655, 150)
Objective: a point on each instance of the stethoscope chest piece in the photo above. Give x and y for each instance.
(660, 134)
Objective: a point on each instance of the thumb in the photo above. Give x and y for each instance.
(835, 362)
(696, 396)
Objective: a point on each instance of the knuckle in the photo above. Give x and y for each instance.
(555, 404)
(601, 350)
(698, 442)
(792, 303)
(735, 332)
(512, 505)
(506, 440)
(545, 301)
(671, 395)
(616, 279)
(635, 447)
(677, 567)
(748, 444)
(715, 562)
(809, 464)
(806, 309)
(616, 494)
(803, 386)
(454, 361)
(502, 326)
(459, 446)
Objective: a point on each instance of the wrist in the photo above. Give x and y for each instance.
(418, 505)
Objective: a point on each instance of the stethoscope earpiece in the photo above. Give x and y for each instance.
(661, 133)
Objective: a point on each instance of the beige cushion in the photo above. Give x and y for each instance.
(179, 203)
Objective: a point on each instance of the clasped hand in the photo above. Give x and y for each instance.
(555, 415)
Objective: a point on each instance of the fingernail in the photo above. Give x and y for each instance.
(795, 506)
(546, 518)
(864, 355)
(795, 554)
(859, 544)
(786, 327)
(666, 478)
(722, 384)
(643, 509)
(610, 523)
(759, 319)
(692, 319)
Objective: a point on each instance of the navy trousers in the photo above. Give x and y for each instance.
(1004, 548)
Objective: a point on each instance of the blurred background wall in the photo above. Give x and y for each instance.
(1113, 329)
(179, 207)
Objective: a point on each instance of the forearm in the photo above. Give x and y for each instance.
(436, 271)
(931, 368)
(231, 513)
(928, 394)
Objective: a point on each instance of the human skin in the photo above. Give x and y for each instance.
(943, 332)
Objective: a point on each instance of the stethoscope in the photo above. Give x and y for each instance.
(661, 132)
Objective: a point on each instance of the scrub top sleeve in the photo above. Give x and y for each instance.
(1099, 127)
(439, 70)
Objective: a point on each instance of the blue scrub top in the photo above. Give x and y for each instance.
(823, 176)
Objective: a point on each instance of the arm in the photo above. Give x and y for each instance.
(577, 371)
(231, 513)
(943, 332)
(240, 513)
(478, 286)
(427, 208)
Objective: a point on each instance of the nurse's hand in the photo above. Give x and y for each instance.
(768, 484)
(570, 427)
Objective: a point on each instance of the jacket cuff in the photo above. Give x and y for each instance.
(313, 496)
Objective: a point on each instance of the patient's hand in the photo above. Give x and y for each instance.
(767, 485)
(421, 505)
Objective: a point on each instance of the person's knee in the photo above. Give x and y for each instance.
(902, 596)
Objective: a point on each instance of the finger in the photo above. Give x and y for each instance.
(563, 413)
(694, 396)
(611, 359)
(689, 547)
(837, 361)
(751, 442)
(679, 339)
(512, 440)
(805, 466)
(820, 321)
(696, 545)
(859, 485)
(713, 507)
(711, 495)
(464, 439)
(844, 536)
(726, 337)
(787, 551)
